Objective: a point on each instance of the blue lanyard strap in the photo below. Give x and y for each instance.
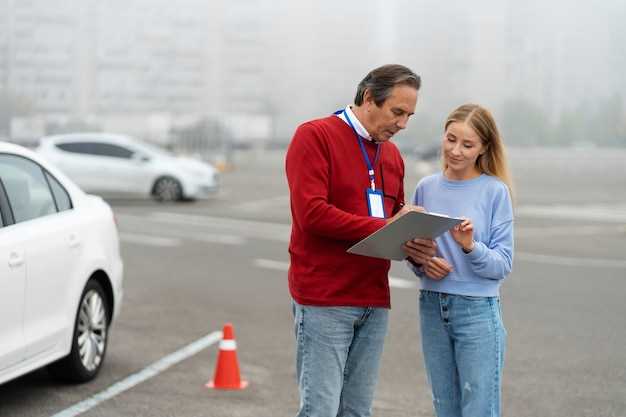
(370, 168)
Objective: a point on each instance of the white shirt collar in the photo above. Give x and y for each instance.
(355, 121)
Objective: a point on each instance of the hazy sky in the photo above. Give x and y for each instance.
(301, 60)
(551, 53)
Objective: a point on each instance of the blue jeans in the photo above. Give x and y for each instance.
(463, 340)
(339, 351)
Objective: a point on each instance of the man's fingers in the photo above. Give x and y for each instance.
(424, 242)
(418, 257)
(425, 249)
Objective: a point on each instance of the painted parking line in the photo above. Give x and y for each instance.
(221, 239)
(264, 204)
(284, 266)
(279, 232)
(570, 261)
(543, 232)
(177, 238)
(615, 213)
(402, 283)
(149, 240)
(270, 264)
(577, 262)
(141, 376)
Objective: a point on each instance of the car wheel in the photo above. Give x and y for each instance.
(167, 189)
(89, 339)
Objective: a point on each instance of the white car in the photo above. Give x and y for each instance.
(60, 271)
(119, 164)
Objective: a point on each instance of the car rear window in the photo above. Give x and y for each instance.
(61, 196)
(26, 187)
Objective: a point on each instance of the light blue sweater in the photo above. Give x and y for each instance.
(486, 201)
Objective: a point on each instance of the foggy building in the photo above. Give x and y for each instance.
(38, 52)
(145, 66)
(159, 65)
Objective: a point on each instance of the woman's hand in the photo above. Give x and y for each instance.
(420, 250)
(437, 268)
(463, 234)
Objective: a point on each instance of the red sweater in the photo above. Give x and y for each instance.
(327, 178)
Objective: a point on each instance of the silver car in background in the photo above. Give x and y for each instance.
(118, 164)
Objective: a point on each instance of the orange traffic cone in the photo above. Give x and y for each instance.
(227, 369)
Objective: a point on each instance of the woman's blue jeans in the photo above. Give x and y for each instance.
(463, 340)
(338, 357)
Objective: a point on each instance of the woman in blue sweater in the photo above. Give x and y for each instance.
(463, 337)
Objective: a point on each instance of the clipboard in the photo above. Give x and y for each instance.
(387, 241)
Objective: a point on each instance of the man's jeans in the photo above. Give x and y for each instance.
(339, 350)
(463, 340)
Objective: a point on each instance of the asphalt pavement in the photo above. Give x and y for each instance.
(191, 267)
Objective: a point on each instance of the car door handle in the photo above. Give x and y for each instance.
(15, 260)
(73, 240)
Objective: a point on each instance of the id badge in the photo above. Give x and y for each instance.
(375, 203)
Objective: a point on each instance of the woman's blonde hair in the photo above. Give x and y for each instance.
(493, 161)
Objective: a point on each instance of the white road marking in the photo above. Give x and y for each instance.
(149, 240)
(222, 239)
(178, 235)
(284, 266)
(141, 376)
(270, 264)
(264, 204)
(402, 283)
(280, 232)
(575, 230)
(600, 213)
(569, 261)
(262, 230)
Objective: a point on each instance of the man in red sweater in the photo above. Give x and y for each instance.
(346, 181)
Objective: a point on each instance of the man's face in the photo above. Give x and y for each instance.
(392, 116)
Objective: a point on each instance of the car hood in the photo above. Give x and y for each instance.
(193, 164)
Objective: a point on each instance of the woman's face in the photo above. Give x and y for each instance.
(461, 148)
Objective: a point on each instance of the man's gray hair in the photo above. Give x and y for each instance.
(380, 81)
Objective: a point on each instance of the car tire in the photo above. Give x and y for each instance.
(167, 189)
(89, 338)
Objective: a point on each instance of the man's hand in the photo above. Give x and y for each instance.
(420, 250)
(405, 209)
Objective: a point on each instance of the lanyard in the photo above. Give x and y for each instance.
(370, 168)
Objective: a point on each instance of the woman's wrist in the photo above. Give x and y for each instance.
(469, 248)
